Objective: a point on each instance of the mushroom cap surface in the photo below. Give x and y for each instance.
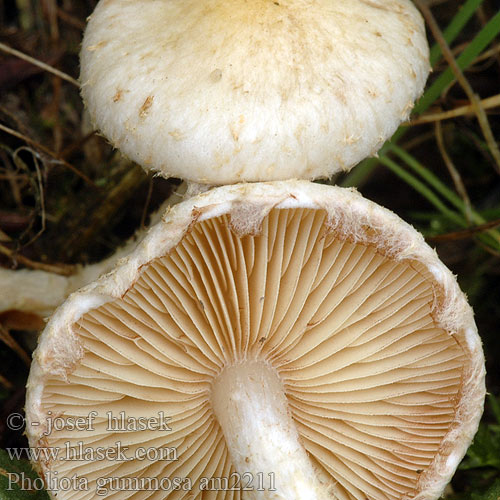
(372, 339)
(227, 91)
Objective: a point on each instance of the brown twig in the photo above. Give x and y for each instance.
(3, 381)
(7, 338)
(465, 233)
(71, 20)
(62, 269)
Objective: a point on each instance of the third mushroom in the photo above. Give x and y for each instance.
(276, 338)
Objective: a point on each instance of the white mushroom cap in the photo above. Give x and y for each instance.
(226, 91)
(366, 333)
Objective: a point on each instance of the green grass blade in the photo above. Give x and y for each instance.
(495, 407)
(432, 198)
(431, 178)
(424, 190)
(447, 193)
(18, 481)
(455, 27)
(436, 183)
(470, 53)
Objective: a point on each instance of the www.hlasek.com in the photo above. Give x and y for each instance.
(79, 451)
(76, 451)
(105, 485)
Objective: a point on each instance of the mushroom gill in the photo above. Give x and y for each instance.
(371, 381)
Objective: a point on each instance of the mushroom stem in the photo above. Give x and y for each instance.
(40, 292)
(249, 402)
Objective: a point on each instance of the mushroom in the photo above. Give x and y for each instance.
(225, 91)
(288, 337)
(278, 340)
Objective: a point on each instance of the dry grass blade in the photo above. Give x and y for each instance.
(454, 173)
(40, 64)
(488, 103)
(465, 233)
(38, 187)
(90, 225)
(4, 237)
(462, 80)
(51, 9)
(47, 151)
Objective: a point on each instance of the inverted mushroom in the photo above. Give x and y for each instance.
(290, 331)
(294, 335)
(226, 91)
